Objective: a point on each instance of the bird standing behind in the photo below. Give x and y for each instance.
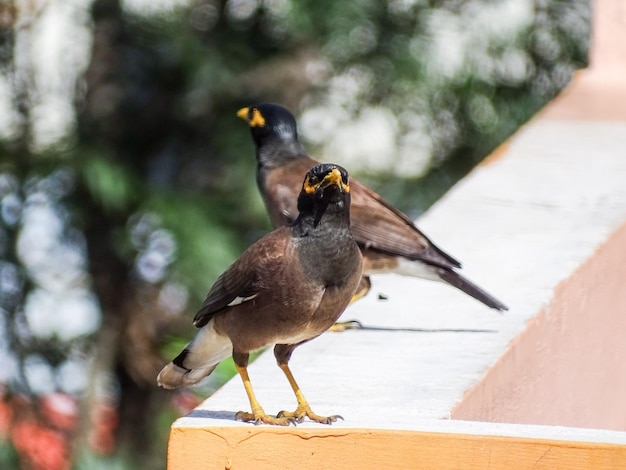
(389, 240)
(285, 289)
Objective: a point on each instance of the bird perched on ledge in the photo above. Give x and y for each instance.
(389, 240)
(285, 289)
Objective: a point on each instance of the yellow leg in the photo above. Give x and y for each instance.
(303, 408)
(257, 416)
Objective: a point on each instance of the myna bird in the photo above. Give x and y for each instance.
(389, 240)
(286, 289)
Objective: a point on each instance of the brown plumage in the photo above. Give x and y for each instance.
(389, 240)
(286, 289)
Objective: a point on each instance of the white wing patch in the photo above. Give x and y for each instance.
(239, 300)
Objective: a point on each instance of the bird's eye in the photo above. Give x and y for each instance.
(310, 184)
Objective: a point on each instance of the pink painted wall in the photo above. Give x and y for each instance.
(568, 367)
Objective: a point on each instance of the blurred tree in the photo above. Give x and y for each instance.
(126, 182)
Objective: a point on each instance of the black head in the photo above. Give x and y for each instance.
(269, 121)
(325, 188)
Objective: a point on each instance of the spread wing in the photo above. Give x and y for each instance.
(241, 282)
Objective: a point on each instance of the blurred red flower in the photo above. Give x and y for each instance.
(41, 448)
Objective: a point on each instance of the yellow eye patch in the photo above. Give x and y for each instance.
(308, 187)
(257, 119)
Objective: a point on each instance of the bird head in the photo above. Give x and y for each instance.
(269, 121)
(325, 186)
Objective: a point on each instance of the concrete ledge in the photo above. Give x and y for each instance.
(542, 226)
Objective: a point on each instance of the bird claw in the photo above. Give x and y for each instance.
(333, 419)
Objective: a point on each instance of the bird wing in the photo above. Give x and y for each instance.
(375, 223)
(378, 225)
(241, 282)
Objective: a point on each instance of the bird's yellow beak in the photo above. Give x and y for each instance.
(334, 177)
(243, 113)
(257, 119)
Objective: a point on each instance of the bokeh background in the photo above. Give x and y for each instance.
(127, 182)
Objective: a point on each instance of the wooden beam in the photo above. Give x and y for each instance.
(328, 448)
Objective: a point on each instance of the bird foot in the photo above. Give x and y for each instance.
(302, 412)
(262, 418)
(340, 327)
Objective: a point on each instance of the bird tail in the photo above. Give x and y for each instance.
(467, 286)
(197, 360)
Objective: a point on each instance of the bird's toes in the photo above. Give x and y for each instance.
(245, 416)
(300, 414)
(336, 417)
(276, 421)
(262, 418)
(327, 419)
(296, 416)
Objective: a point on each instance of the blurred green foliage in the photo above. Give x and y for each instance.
(159, 194)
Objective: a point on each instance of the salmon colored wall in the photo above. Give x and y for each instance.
(568, 367)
